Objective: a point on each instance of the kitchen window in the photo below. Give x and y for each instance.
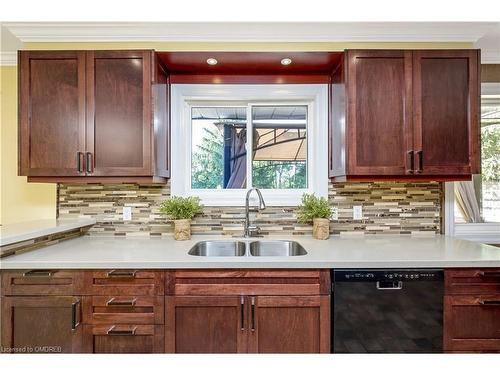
(473, 207)
(229, 138)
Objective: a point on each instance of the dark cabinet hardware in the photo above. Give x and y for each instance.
(89, 162)
(118, 273)
(121, 332)
(113, 302)
(253, 315)
(489, 274)
(39, 273)
(74, 313)
(80, 161)
(411, 159)
(490, 303)
(420, 155)
(242, 312)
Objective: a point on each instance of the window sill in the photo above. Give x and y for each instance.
(488, 233)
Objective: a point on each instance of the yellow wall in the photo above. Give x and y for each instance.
(22, 201)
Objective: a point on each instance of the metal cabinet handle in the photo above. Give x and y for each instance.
(252, 327)
(39, 273)
(89, 162)
(489, 274)
(80, 161)
(121, 332)
(113, 302)
(411, 158)
(242, 312)
(420, 155)
(490, 303)
(74, 322)
(394, 285)
(118, 273)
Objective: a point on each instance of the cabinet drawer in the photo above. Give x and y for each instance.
(472, 323)
(123, 309)
(41, 282)
(247, 282)
(124, 338)
(124, 282)
(472, 281)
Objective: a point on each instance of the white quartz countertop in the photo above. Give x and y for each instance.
(376, 251)
(28, 230)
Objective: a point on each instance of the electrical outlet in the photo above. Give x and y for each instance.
(127, 213)
(357, 212)
(335, 213)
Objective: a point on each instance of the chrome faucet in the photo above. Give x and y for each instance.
(252, 230)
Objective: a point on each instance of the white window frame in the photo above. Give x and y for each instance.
(479, 232)
(185, 96)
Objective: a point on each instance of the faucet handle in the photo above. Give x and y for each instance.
(253, 231)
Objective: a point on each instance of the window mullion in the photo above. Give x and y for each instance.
(249, 146)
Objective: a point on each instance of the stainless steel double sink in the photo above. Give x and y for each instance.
(239, 248)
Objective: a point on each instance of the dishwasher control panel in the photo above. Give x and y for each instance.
(388, 275)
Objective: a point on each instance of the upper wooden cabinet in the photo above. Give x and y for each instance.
(93, 115)
(405, 115)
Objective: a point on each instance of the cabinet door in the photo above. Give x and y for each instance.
(286, 324)
(205, 324)
(119, 112)
(51, 113)
(41, 324)
(379, 112)
(446, 111)
(472, 323)
(123, 338)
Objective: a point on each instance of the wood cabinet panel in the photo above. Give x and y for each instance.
(123, 309)
(119, 112)
(472, 323)
(379, 111)
(284, 324)
(205, 324)
(42, 282)
(446, 110)
(248, 282)
(123, 339)
(472, 281)
(51, 112)
(124, 283)
(41, 324)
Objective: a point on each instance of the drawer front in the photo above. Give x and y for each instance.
(472, 323)
(41, 282)
(123, 309)
(472, 281)
(124, 338)
(124, 283)
(247, 282)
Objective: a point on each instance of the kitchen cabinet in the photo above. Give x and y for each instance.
(123, 338)
(472, 310)
(406, 115)
(92, 116)
(43, 324)
(248, 311)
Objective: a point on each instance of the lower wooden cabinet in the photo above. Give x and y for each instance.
(247, 324)
(123, 338)
(41, 324)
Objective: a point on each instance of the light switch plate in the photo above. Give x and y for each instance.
(127, 213)
(357, 212)
(335, 213)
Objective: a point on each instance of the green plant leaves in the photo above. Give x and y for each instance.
(313, 207)
(177, 208)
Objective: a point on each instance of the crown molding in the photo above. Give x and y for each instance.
(8, 58)
(249, 31)
(490, 56)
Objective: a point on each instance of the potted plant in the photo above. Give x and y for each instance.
(181, 211)
(319, 212)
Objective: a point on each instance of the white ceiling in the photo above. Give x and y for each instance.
(485, 35)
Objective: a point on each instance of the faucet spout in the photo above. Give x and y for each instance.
(252, 230)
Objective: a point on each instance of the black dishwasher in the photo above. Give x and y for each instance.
(387, 311)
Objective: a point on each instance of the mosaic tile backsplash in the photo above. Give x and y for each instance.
(391, 208)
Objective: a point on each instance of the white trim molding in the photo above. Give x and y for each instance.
(314, 96)
(250, 31)
(8, 58)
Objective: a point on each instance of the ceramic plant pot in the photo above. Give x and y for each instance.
(321, 229)
(182, 229)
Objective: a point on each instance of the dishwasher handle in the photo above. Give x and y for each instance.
(389, 285)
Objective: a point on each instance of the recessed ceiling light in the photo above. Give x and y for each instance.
(286, 61)
(212, 61)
